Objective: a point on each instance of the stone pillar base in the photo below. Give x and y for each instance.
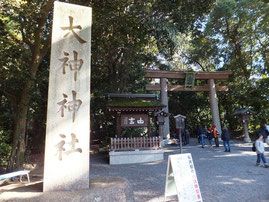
(137, 156)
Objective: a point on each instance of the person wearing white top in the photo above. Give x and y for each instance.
(260, 152)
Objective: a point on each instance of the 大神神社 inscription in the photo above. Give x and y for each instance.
(74, 65)
(71, 28)
(61, 146)
(72, 106)
(68, 116)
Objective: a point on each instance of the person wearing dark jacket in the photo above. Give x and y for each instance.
(225, 136)
(210, 136)
(202, 134)
(263, 131)
(198, 134)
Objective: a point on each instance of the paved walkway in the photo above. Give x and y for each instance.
(222, 177)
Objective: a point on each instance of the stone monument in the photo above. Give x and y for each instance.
(68, 117)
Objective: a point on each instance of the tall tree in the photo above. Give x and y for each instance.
(128, 36)
(26, 30)
(234, 37)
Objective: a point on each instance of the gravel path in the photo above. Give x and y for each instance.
(222, 176)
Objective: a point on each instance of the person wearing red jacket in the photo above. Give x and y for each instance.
(216, 135)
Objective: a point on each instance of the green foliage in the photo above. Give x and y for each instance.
(130, 36)
(5, 147)
(134, 103)
(18, 23)
(5, 131)
(134, 132)
(234, 38)
(25, 39)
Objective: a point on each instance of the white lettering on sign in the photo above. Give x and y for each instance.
(134, 120)
(140, 121)
(181, 179)
(131, 120)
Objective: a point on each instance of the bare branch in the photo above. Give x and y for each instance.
(36, 52)
(195, 61)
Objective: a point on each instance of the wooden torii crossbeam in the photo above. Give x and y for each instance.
(182, 88)
(182, 75)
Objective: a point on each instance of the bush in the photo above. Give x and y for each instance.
(5, 147)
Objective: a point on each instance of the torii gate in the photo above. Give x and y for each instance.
(210, 87)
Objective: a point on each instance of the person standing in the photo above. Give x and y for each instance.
(216, 135)
(198, 134)
(225, 136)
(260, 152)
(183, 135)
(267, 128)
(263, 131)
(210, 136)
(202, 133)
(187, 135)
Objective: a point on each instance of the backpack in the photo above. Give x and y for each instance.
(253, 147)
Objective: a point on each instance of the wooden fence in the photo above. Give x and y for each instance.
(135, 143)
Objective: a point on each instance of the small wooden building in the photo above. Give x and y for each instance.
(134, 110)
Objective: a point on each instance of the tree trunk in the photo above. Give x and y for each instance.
(16, 159)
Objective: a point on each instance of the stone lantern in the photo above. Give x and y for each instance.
(244, 117)
(161, 115)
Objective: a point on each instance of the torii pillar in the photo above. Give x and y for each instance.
(214, 105)
(164, 100)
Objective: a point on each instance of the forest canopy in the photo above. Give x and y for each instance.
(129, 36)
